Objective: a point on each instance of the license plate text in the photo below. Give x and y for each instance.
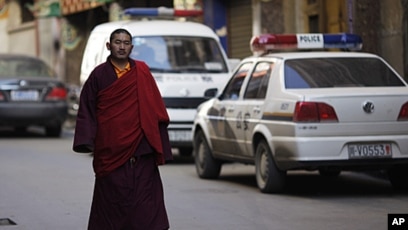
(382, 150)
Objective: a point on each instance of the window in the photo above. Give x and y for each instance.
(314, 24)
(26, 14)
(258, 83)
(179, 54)
(24, 67)
(234, 85)
(338, 72)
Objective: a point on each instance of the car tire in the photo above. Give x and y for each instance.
(206, 166)
(332, 173)
(21, 129)
(398, 177)
(268, 177)
(185, 151)
(53, 131)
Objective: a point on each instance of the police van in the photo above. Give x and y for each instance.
(186, 58)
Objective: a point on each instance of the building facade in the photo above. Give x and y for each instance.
(57, 30)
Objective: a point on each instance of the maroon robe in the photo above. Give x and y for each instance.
(103, 125)
(124, 123)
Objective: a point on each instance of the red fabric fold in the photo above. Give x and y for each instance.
(152, 109)
(127, 109)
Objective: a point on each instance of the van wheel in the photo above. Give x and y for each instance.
(268, 177)
(206, 166)
(398, 177)
(53, 131)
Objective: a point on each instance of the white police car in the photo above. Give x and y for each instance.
(328, 111)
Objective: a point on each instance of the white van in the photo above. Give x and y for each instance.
(186, 58)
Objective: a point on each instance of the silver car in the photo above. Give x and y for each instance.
(325, 111)
(30, 95)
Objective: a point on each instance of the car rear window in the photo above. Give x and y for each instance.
(24, 67)
(338, 72)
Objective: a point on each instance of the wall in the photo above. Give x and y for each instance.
(3, 36)
(336, 16)
(22, 36)
(4, 13)
(293, 16)
(272, 16)
(23, 39)
(379, 23)
(391, 33)
(49, 47)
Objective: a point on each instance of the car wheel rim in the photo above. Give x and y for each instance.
(201, 153)
(263, 165)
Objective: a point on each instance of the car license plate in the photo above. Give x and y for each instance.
(24, 95)
(378, 150)
(180, 135)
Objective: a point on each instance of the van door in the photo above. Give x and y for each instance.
(94, 54)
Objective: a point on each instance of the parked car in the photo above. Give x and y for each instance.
(74, 92)
(31, 95)
(321, 110)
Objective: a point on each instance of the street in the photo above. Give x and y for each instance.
(44, 185)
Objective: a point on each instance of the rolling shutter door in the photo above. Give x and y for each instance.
(239, 28)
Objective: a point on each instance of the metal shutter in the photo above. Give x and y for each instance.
(239, 28)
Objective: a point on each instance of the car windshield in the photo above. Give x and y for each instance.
(339, 72)
(23, 67)
(179, 54)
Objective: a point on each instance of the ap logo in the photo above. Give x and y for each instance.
(397, 221)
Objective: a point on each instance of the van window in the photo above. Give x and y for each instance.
(179, 54)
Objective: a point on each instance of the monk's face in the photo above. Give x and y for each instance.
(120, 46)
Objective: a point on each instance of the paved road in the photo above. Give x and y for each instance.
(45, 186)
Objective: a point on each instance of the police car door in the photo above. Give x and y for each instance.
(254, 97)
(229, 130)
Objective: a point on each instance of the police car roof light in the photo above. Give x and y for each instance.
(267, 42)
(161, 11)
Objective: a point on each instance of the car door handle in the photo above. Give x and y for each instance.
(256, 109)
(230, 109)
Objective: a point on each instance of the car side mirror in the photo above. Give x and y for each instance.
(210, 93)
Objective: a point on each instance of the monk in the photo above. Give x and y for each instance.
(122, 121)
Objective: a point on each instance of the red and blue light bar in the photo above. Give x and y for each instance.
(268, 42)
(161, 11)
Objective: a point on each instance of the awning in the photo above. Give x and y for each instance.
(76, 6)
(45, 8)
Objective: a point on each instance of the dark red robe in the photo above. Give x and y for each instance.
(119, 119)
(103, 125)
